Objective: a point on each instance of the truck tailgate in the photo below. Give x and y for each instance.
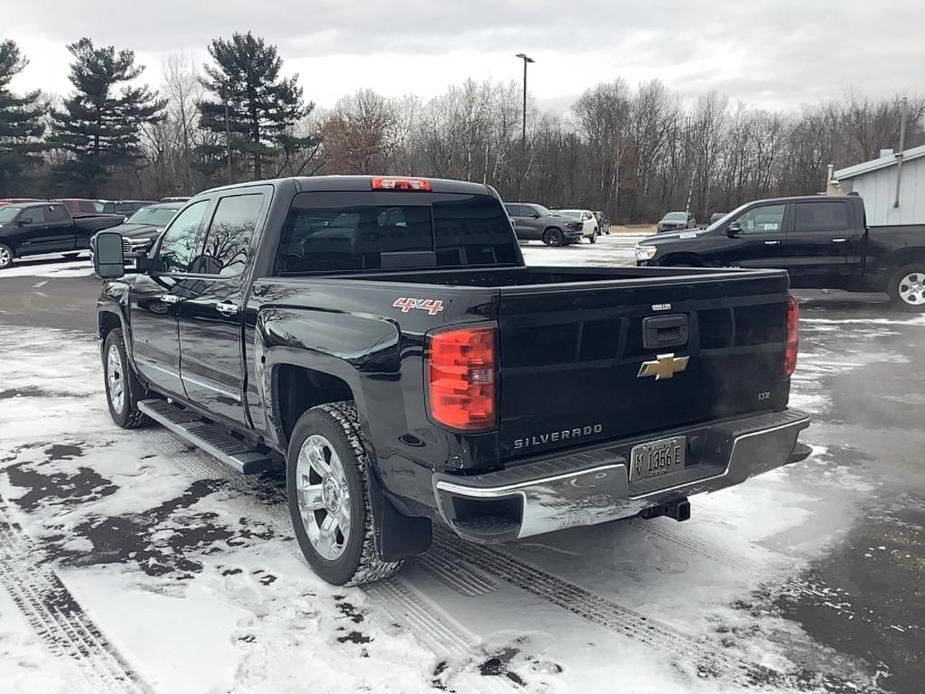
(587, 362)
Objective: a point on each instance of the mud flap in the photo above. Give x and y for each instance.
(397, 536)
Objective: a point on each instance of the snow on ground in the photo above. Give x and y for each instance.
(149, 567)
(49, 266)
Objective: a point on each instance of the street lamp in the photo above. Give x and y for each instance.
(523, 141)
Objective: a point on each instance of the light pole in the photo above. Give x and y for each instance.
(523, 140)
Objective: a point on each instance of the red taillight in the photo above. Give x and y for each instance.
(793, 337)
(394, 183)
(461, 378)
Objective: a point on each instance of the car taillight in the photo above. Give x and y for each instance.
(793, 336)
(394, 183)
(461, 378)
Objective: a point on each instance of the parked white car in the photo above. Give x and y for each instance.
(590, 230)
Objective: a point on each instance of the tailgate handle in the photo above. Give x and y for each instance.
(664, 331)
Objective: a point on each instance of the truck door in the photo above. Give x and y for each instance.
(759, 241)
(823, 246)
(525, 222)
(155, 299)
(35, 234)
(211, 313)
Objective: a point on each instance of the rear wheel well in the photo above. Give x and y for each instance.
(107, 322)
(299, 389)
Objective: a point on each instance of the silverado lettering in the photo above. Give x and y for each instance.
(564, 435)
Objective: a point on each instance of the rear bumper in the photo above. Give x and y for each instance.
(592, 486)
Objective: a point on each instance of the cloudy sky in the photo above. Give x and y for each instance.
(770, 53)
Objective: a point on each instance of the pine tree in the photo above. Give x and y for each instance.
(99, 127)
(254, 109)
(21, 126)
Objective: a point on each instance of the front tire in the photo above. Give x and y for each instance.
(552, 237)
(907, 288)
(123, 390)
(6, 256)
(593, 238)
(327, 468)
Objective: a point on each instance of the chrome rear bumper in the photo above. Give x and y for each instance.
(592, 486)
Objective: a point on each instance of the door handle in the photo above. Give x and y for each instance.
(772, 243)
(170, 298)
(226, 308)
(839, 240)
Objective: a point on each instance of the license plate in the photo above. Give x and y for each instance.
(657, 458)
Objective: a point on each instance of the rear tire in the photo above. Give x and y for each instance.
(123, 389)
(327, 468)
(552, 237)
(6, 256)
(907, 288)
(593, 238)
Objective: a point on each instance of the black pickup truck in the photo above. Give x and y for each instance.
(383, 339)
(35, 228)
(822, 241)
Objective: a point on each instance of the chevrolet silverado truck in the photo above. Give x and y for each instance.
(383, 339)
(822, 241)
(34, 228)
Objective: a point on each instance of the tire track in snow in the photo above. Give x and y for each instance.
(57, 617)
(707, 657)
(696, 546)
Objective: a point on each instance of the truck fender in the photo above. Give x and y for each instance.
(341, 346)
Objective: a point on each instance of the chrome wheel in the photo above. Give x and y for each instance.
(912, 288)
(323, 497)
(115, 378)
(6, 257)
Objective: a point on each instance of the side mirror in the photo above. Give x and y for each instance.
(25, 221)
(733, 230)
(108, 255)
(535, 215)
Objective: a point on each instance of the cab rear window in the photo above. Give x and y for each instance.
(343, 232)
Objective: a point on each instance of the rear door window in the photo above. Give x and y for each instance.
(820, 216)
(228, 242)
(55, 214)
(332, 232)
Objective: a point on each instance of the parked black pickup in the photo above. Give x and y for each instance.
(822, 241)
(47, 227)
(384, 339)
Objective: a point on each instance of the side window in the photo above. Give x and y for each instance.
(820, 216)
(36, 214)
(762, 219)
(518, 210)
(55, 214)
(228, 242)
(178, 241)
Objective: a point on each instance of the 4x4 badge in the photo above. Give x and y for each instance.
(432, 306)
(664, 366)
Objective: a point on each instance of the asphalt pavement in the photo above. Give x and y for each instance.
(856, 510)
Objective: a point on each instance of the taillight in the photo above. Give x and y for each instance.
(395, 183)
(793, 336)
(461, 378)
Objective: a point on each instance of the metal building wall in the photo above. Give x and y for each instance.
(878, 188)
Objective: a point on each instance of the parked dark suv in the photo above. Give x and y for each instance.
(535, 222)
(676, 221)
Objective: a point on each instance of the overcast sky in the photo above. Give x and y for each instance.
(769, 53)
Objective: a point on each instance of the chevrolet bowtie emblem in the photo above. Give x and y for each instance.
(664, 366)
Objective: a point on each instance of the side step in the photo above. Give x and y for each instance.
(233, 452)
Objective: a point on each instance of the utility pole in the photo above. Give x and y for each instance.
(227, 143)
(523, 138)
(902, 147)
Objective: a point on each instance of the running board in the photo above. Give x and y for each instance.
(233, 452)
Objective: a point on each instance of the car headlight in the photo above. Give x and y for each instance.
(645, 252)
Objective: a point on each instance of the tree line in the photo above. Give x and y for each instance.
(634, 152)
